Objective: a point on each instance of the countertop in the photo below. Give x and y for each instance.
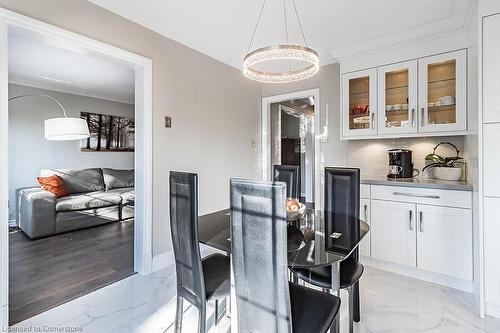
(419, 182)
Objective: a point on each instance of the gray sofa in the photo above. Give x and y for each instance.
(97, 196)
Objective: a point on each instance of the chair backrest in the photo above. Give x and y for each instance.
(259, 256)
(342, 196)
(290, 175)
(184, 227)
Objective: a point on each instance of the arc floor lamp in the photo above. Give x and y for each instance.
(63, 128)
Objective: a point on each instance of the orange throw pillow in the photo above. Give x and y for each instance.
(53, 184)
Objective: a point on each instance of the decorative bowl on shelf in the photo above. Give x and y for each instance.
(447, 100)
(294, 210)
(361, 120)
(359, 109)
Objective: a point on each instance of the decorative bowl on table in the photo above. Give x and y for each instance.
(294, 210)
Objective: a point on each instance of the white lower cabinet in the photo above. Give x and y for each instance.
(364, 214)
(423, 237)
(393, 234)
(444, 241)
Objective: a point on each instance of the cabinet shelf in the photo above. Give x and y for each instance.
(359, 93)
(396, 111)
(441, 107)
(451, 81)
(396, 87)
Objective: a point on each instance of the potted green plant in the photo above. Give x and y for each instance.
(446, 168)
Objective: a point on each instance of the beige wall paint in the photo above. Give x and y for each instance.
(215, 111)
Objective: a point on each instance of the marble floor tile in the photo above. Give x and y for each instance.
(389, 303)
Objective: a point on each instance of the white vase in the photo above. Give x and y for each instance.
(447, 173)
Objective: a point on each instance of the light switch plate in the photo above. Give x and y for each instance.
(168, 122)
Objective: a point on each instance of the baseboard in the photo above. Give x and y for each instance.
(418, 274)
(163, 260)
(4, 317)
(492, 310)
(12, 223)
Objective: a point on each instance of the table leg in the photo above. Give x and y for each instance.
(233, 311)
(336, 291)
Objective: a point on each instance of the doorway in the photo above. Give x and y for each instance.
(142, 68)
(290, 124)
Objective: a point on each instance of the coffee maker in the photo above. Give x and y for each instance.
(400, 164)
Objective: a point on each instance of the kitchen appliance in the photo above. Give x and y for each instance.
(400, 164)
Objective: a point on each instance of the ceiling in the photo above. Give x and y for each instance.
(337, 29)
(55, 65)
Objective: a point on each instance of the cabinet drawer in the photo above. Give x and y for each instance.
(365, 191)
(452, 198)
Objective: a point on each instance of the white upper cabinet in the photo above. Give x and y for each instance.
(491, 69)
(422, 97)
(397, 98)
(442, 84)
(359, 103)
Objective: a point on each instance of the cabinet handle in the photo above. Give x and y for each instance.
(366, 212)
(373, 120)
(411, 220)
(416, 195)
(422, 121)
(421, 222)
(413, 117)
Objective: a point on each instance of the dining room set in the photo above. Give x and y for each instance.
(279, 266)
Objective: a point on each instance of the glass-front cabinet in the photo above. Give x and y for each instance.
(411, 98)
(442, 92)
(397, 98)
(360, 103)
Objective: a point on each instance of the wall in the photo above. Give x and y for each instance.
(29, 152)
(215, 110)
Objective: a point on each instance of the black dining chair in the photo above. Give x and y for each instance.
(290, 175)
(342, 198)
(265, 300)
(198, 280)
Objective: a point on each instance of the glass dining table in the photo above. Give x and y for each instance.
(316, 239)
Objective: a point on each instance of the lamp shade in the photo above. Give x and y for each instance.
(66, 129)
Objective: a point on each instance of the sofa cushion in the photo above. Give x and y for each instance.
(127, 194)
(87, 201)
(118, 178)
(53, 184)
(79, 181)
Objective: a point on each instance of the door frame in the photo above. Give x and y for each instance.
(266, 170)
(143, 256)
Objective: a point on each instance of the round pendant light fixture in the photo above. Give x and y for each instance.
(308, 58)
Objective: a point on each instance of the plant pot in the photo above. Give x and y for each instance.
(447, 173)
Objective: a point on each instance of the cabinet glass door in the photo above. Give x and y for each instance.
(443, 92)
(359, 103)
(397, 97)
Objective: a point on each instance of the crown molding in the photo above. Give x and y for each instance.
(458, 21)
(32, 84)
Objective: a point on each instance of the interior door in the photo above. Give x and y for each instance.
(443, 92)
(397, 98)
(444, 241)
(275, 135)
(359, 100)
(364, 214)
(393, 236)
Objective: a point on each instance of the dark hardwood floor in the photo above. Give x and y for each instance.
(47, 272)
